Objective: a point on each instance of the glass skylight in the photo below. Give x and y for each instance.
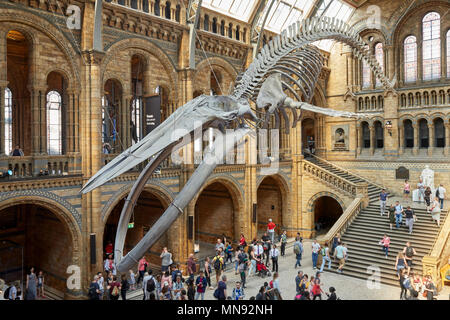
(239, 9)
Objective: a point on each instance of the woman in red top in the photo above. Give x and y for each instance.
(242, 242)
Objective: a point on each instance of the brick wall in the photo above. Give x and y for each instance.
(269, 206)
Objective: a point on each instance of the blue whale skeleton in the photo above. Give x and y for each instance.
(289, 63)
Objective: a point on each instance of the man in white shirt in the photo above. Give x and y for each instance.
(441, 195)
(259, 250)
(315, 253)
(101, 285)
(274, 253)
(220, 245)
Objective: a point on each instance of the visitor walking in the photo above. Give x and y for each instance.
(124, 286)
(93, 291)
(271, 230)
(440, 194)
(275, 283)
(252, 263)
(110, 266)
(427, 197)
(274, 253)
(142, 268)
(385, 242)
(398, 214)
(402, 279)
(383, 199)
(406, 190)
(400, 263)
(316, 289)
(40, 285)
(336, 242)
(421, 188)
(242, 270)
(208, 271)
(298, 251)
(391, 211)
(325, 257)
(166, 259)
(283, 243)
(315, 247)
(192, 267)
(410, 218)
(31, 285)
(201, 283)
(101, 285)
(409, 253)
(228, 252)
(221, 292)
(132, 280)
(238, 292)
(218, 266)
(340, 253)
(435, 211)
(298, 281)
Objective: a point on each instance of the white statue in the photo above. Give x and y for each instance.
(427, 177)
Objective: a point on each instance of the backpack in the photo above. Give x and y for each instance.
(217, 263)
(115, 291)
(150, 285)
(6, 294)
(409, 252)
(323, 252)
(271, 284)
(216, 293)
(242, 257)
(296, 249)
(92, 293)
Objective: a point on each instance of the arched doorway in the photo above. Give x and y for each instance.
(147, 211)
(270, 205)
(32, 235)
(214, 217)
(327, 211)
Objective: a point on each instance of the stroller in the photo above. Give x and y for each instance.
(261, 269)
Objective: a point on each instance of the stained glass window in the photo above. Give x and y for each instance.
(8, 121)
(379, 55)
(448, 54)
(410, 52)
(431, 24)
(54, 125)
(366, 75)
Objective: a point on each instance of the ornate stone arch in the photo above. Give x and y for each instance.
(407, 117)
(146, 48)
(310, 205)
(26, 22)
(58, 206)
(436, 115)
(164, 194)
(63, 72)
(218, 62)
(380, 119)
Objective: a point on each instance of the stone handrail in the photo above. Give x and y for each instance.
(29, 166)
(344, 221)
(350, 172)
(439, 253)
(330, 178)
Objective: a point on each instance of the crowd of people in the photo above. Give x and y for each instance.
(34, 288)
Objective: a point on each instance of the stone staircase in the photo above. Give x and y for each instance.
(368, 228)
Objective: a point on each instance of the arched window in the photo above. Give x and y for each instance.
(403, 100)
(230, 30)
(410, 100)
(431, 25)
(433, 98)
(426, 98)
(54, 125)
(214, 25)
(380, 102)
(410, 51)
(408, 133)
(360, 104)
(367, 103)
(136, 104)
(379, 55)
(379, 135)
(134, 4)
(177, 13)
(206, 23)
(448, 54)
(366, 75)
(167, 10)
(439, 133)
(374, 103)
(157, 8)
(145, 5)
(8, 121)
(365, 135)
(238, 30)
(418, 99)
(423, 133)
(222, 28)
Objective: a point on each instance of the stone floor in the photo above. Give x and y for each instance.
(347, 288)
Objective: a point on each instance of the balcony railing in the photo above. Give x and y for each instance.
(31, 166)
(424, 98)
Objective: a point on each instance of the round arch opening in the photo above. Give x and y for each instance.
(269, 206)
(32, 235)
(214, 218)
(149, 208)
(327, 211)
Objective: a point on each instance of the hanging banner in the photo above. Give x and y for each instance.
(151, 113)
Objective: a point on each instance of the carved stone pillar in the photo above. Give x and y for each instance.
(447, 139)
(416, 139)
(372, 139)
(70, 125)
(401, 138)
(430, 139)
(43, 120)
(359, 139)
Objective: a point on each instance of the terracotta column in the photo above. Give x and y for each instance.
(401, 138)
(447, 138)
(3, 85)
(372, 139)
(430, 139)
(416, 139)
